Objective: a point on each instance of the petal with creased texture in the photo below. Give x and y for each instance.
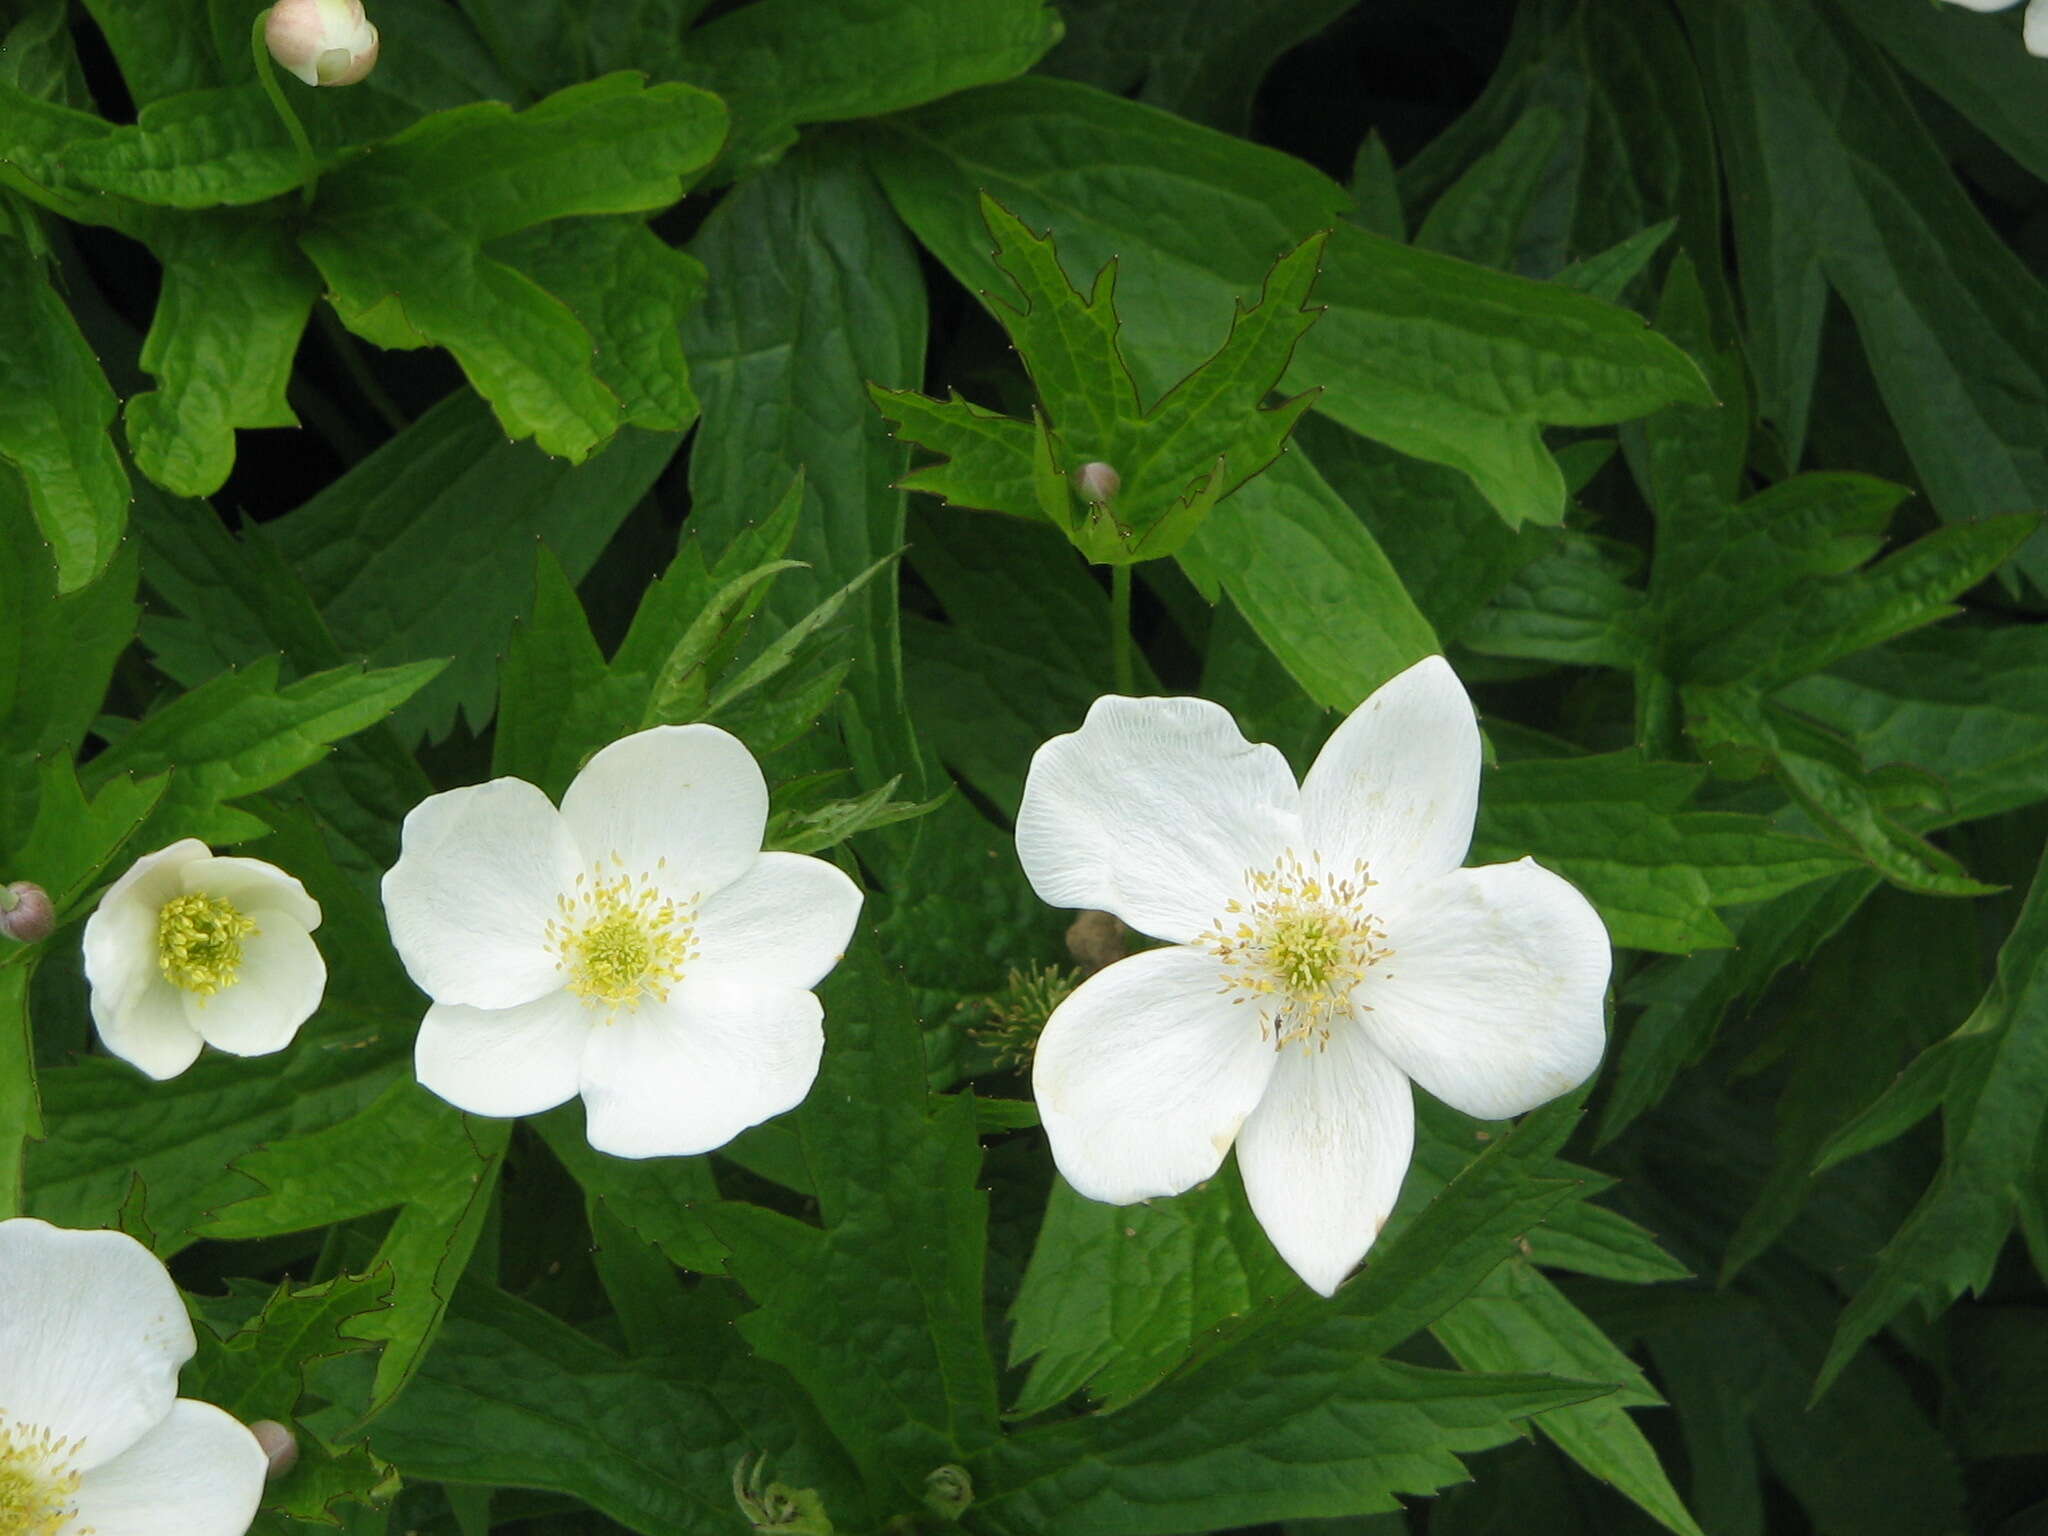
(477, 882)
(1154, 811)
(91, 1336)
(1494, 998)
(1145, 1073)
(198, 1472)
(505, 1061)
(1397, 784)
(254, 887)
(1324, 1154)
(786, 922)
(689, 1073)
(684, 805)
(148, 1028)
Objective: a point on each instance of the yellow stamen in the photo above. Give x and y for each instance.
(1297, 945)
(621, 939)
(199, 942)
(36, 1482)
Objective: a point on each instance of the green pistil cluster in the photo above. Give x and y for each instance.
(199, 942)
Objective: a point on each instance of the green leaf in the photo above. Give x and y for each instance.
(236, 296)
(202, 149)
(407, 1149)
(1518, 1321)
(21, 1117)
(398, 236)
(1838, 184)
(780, 351)
(242, 733)
(514, 1397)
(632, 291)
(425, 547)
(784, 63)
(1572, 604)
(1615, 826)
(663, 1200)
(54, 409)
(1203, 439)
(878, 1312)
(1118, 1296)
(1312, 581)
(1991, 1080)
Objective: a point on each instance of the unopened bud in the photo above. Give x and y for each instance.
(948, 1490)
(1098, 482)
(280, 1447)
(323, 42)
(26, 914)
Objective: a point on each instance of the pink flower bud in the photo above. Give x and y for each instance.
(26, 914)
(323, 42)
(1097, 482)
(280, 1447)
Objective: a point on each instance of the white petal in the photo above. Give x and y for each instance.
(786, 921)
(1985, 5)
(690, 795)
(691, 1073)
(1397, 784)
(254, 887)
(1324, 1154)
(504, 1061)
(1494, 997)
(120, 936)
(1144, 1075)
(1154, 810)
(197, 1473)
(148, 1028)
(276, 989)
(474, 889)
(2035, 28)
(92, 1334)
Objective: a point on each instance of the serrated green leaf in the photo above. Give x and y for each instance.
(1204, 438)
(54, 410)
(201, 149)
(398, 237)
(1615, 826)
(1572, 604)
(878, 1312)
(242, 733)
(663, 1200)
(1991, 1080)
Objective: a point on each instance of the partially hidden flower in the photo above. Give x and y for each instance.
(2034, 30)
(635, 947)
(323, 42)
(1323, 948)
(189, 948)
(93, 1435)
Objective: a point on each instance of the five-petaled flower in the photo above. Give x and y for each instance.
(187, 948)
(1324, 947)
(2033, 31)
(636, 946)
(323, 42)
(93, 1435)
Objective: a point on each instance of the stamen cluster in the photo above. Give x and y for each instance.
(36, 1482)
(199, 942)
(620, 938)
(1296, 945)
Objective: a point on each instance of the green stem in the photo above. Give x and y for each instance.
(1120, 629)
(309, 165)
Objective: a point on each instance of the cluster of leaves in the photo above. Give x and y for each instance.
(1739, 555)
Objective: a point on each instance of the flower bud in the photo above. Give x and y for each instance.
(26, 914)
(280, 1447)
(1097, 482)
(323, 42)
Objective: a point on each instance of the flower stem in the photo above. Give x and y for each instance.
(309, 166)
(1120, 629)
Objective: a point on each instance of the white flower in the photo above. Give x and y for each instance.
(1324, 947)
(94, 1439)
(323, 42)
(188, 948)
(2034, 29)
(635, 946)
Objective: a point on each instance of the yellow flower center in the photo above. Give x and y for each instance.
(36, 1482)
(1297, 945)
(620, 938)
(199, 942)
